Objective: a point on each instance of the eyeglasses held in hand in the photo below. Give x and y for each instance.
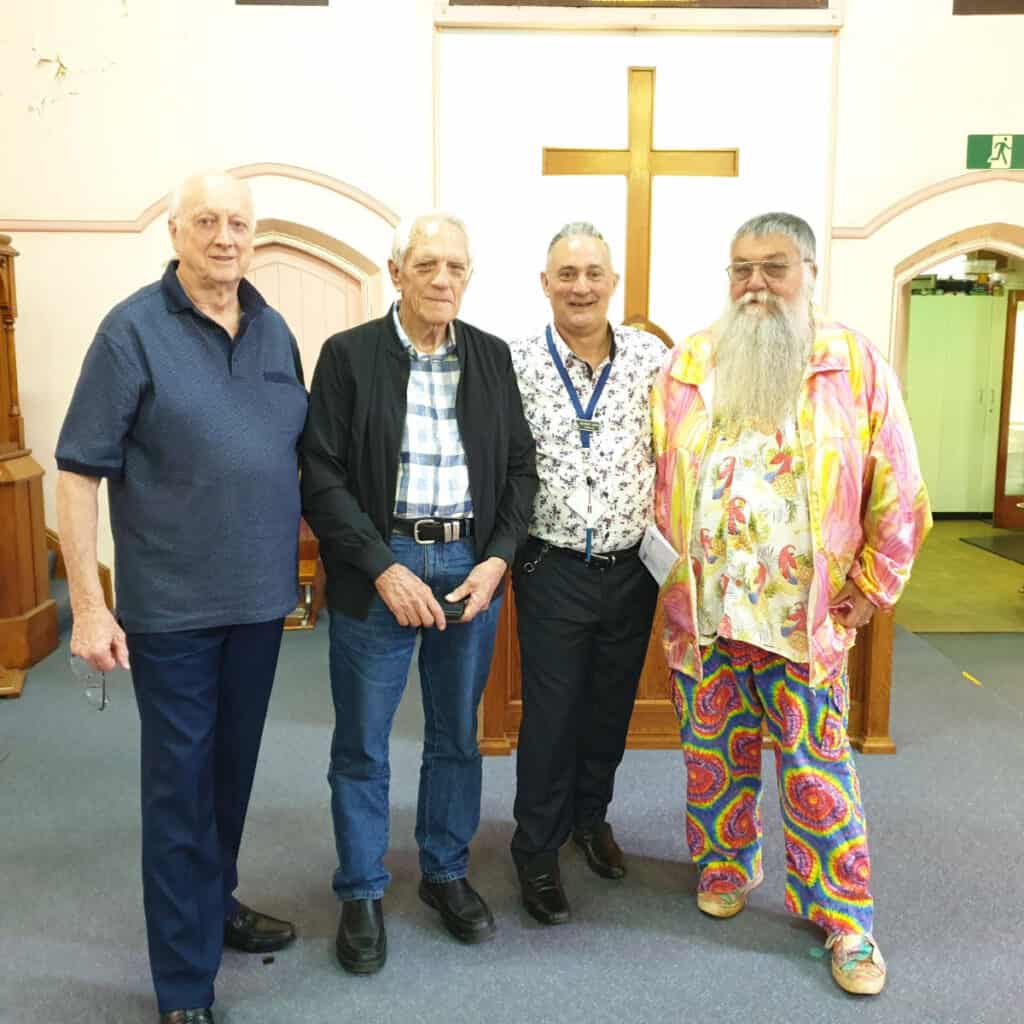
(773, 270)
(93, 682)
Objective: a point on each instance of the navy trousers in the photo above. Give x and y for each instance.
(202, 696)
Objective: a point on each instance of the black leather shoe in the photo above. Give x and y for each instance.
(204, 1016)
(252, 932)
(603, 854)
(362, 943)
(543, 895)
(462, 908)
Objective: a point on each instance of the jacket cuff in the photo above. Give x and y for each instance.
(501, 547)
(378, 558)
(863, 583)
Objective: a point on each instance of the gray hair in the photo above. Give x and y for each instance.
(579, 228)
(796, 229)
(177, 193)
(407, 229)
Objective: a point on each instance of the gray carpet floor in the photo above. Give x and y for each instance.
(946, 834)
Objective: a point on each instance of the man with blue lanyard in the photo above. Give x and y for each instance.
(584, 600)
(418, 476)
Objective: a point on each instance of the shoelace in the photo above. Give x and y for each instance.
(544, 883)
(851, 957)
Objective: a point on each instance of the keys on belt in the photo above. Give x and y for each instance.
(433, 531)
(595, 561)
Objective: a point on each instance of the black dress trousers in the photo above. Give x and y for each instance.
(583, 635)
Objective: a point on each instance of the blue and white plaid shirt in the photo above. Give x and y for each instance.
(433, 479)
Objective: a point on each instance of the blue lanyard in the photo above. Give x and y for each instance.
(584, 417)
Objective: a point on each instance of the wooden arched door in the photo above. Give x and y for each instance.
(317, 298)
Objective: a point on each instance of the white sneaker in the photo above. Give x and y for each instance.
(857, 963)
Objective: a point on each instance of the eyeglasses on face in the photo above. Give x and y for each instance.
(773, 270)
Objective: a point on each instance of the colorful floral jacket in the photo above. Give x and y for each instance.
(868, 505)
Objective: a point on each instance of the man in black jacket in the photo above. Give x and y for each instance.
(418, 479)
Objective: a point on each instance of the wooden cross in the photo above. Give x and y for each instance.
(640, 163)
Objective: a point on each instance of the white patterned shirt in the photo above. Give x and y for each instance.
(751, 542)
(433, 479)
(621, 460)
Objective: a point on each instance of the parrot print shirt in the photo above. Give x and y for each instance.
(868, 506)
(752, 554)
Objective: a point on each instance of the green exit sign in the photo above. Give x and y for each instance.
(995, 152)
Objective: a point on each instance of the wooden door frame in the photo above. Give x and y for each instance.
(1005, 512)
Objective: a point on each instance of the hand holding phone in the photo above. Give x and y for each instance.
(453, 610)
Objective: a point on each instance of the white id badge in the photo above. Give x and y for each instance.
(657, 554)
(586, 503)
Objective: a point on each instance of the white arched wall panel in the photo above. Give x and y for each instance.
(863, 286)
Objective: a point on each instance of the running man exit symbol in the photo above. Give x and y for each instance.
(1002, 148)
(995, 152)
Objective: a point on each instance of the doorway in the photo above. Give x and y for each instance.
(965, 398)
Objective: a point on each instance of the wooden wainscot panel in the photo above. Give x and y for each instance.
(28, 616)
(654, 725)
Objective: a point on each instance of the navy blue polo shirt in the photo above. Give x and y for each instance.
(197, 436)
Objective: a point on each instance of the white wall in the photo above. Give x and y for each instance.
(506, 95)
(914, 82)
(154, 91)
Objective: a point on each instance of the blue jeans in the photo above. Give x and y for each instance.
(369, 667)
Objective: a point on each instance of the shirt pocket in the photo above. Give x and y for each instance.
(287, 400)
(278, 377)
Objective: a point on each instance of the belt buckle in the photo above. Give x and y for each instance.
(416, 530)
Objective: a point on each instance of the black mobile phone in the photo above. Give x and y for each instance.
(453, 609)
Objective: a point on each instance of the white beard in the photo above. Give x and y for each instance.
(760, 358)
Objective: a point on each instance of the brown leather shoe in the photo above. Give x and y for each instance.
(201, 1016)
(603, 854)
(252, 932)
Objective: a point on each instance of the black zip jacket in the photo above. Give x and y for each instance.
(352, 441)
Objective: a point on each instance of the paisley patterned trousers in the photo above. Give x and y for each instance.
(827, 863)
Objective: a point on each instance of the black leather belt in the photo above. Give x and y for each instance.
(433, 531)
(602, 561)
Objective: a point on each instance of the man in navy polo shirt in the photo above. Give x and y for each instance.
(190, 404)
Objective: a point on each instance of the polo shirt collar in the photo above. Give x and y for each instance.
(177, 301)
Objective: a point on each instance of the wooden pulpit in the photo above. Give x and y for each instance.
(654, 724)
(28, 616)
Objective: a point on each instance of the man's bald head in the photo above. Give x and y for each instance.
(210, 218)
